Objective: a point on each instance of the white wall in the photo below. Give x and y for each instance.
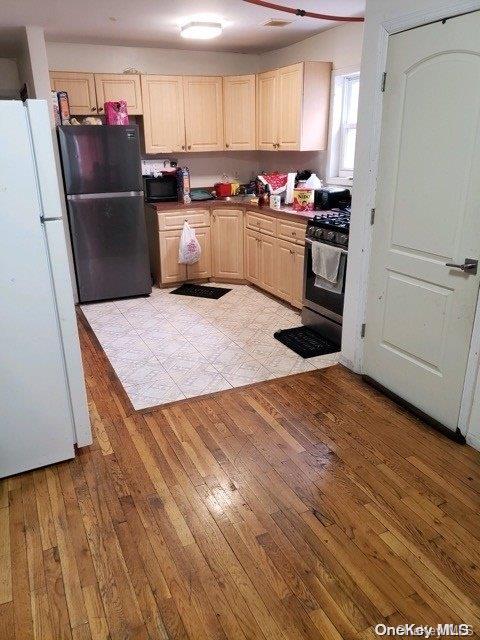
(378, 12)
(63, 56)
(9, 80)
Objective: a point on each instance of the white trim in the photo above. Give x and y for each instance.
(389, 27)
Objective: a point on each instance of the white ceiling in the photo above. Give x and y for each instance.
(155, 23)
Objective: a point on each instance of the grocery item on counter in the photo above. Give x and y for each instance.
(63, 107)
(183, 185)
(275, 201)
(303, 199)
(116, 112)
(276, 182)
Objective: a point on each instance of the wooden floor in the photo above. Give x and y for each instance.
(306, 507)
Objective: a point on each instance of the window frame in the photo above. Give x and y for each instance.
(335, 173)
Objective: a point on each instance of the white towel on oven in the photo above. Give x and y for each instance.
(326, 261)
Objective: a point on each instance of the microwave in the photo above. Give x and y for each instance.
(332, 198)
(162, 188)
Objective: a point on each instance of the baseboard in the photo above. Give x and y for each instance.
(473, 441)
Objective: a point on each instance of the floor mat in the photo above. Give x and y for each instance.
(201, 291)
(305, 342)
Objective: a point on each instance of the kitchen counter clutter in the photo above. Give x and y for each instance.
(240, 242)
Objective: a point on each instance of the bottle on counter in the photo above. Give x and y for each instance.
(183, 185)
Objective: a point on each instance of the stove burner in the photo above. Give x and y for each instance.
(331, 226)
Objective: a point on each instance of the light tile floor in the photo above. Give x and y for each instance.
(168, 347)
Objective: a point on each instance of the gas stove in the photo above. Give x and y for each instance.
(332, 227)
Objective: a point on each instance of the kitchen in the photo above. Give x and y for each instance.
(252, 233)
(175, 462)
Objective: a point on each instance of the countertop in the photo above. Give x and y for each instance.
(236, 202)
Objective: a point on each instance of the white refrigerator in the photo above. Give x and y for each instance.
(43, 404)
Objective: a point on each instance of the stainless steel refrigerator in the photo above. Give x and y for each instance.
(103, 183)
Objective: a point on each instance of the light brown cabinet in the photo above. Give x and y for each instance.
(203, 104)
(227, 245)
(293, 107)
(111, 87)
(80, 88)
(163, 114)
(252, 256)
(289, 272)
(88, 92)
(260, 267)
(239, 112)
(170, 271)
(202, 268)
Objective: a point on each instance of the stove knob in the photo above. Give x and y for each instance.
(341, 238)
(318, 233)
(311, 232)
(330, 236)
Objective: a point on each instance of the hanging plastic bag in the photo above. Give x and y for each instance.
(189, 250)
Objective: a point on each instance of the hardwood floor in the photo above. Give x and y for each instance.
(306, 507)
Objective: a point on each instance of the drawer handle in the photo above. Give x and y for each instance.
(294, 233)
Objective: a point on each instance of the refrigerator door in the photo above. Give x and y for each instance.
(36, 423)
(100, 159)
(110, 245)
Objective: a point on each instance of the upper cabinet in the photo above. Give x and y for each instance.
(163, 116)
(119, 86)
(88, 92)
(80, 88)
(267, 110)
(203, 102)
(293, 107)
(239, 112)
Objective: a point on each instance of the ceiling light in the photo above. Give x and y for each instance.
(201, 30)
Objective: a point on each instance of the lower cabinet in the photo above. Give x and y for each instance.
(202, 268)
(260, 260)
(252, 256)
(227, 243)
(289, 272)
(170, 270)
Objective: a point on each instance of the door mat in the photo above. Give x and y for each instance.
(305, 342)
(200, 291)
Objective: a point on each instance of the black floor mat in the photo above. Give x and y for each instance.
(305, 342)
(200, 291)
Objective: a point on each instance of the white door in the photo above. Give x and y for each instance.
(419, 311)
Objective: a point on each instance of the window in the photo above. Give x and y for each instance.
(343, 127)
(348, 127)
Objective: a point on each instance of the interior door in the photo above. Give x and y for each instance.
(163, 114)
(420, 311)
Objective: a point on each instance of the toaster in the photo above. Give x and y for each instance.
(331, 198)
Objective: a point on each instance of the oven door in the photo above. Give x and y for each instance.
(319, 298)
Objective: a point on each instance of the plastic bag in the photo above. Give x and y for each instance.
(189, 250)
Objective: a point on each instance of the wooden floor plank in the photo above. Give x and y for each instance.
(309, 507)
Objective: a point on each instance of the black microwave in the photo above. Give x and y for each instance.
(162, 188)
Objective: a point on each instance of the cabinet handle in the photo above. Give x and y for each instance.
(183, 146)
(226, 145)
(278, 145)
(100, 108)
(189, 146)
(93, 109)
(294, 233)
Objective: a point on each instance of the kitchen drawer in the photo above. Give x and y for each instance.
(175, 219)
(291, 231)
(259, 222)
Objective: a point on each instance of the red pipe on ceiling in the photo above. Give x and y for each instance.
(303, 13)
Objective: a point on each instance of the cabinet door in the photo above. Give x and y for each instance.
(202, 268)
(163, 114)
(80, 88)
(297, 276)
(267, 110)
(239, 105)
(170, 270)
(268, 278)
(284, 269)
(119, 86)
(252, 257)
(227, 226)
(289, 106)
(203, 101)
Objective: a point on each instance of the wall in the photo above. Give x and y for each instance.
(378, 12)
(341, 45)
(9, 80)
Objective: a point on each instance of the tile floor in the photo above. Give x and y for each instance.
(168, 347)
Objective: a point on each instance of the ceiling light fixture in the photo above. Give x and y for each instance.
(201, 30)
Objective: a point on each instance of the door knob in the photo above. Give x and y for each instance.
(469, 266)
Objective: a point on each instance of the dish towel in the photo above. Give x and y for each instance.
(328, 266)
